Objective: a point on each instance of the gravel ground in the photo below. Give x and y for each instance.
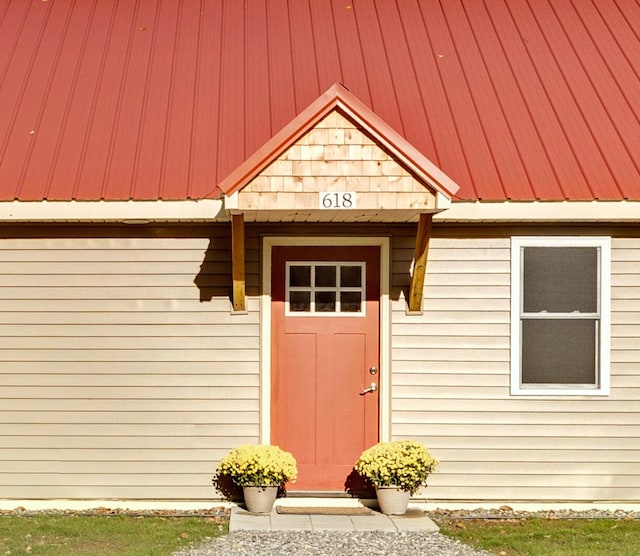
(507, 513)
(331, 543)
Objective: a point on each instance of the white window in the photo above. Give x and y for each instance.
(560, 324)
(326, 288)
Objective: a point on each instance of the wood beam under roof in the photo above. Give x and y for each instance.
(416, 288)
(237, 263)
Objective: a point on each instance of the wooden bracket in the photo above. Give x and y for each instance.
(237, 262)
(420, 263)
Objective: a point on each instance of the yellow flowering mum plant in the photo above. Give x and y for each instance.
(261, 465)
(405, 464)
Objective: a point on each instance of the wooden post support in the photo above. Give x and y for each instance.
(420, 262)
(237, 262)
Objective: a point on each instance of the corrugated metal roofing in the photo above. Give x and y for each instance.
(145, 99)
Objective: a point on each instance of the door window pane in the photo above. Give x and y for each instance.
(351, 276)
(350, 302)
(300, 301)
(326, 302)
(300, 275)
(325, 276)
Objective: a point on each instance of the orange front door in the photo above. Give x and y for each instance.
(325, 352)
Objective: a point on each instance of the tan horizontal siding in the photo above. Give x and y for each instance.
(105, 444)
(129, 380)
(101, 305)
(123, 372)
(537, 477)
(439, 342)
(81, 456)
(18, 470)
(522, 491)
(229, 416)
(63, 392)
(500, 456)
(146, 280)
(61, 342)
(461, 441)
(134, 428)
(489, 418)
(534, 405)
(89, 355)
(472, 392)
(219, 366)
(461, 366)
(121, 292)
(117, 405)
(435, 329)
(160, 330)
(541, 429)
(480, 378)
(83, 491)
(196, 316)
(451, 381)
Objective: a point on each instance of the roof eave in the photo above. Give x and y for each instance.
(554, 212)
(125, 212)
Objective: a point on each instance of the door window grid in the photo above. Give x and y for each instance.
(325, 288)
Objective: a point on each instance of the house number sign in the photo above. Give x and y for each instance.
(337, 200)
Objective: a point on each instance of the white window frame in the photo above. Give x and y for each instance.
(602, 387)
(362, 289)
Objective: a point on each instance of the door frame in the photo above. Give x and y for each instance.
(384, 374)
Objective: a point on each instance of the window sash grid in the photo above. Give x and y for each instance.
(338, 289)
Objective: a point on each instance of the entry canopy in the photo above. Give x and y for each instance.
(337, 161)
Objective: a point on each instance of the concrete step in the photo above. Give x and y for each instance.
(414, 520)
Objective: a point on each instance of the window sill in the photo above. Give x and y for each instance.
(518, 391)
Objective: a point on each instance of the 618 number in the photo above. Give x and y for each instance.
(338, 200)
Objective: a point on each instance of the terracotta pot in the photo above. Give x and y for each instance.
(392, 500)
(260, 499)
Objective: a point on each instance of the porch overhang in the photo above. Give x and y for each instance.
(336, 162)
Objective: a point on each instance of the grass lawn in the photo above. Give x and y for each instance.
(104, 535)
(546, 537)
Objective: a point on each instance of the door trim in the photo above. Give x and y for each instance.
(265, 323)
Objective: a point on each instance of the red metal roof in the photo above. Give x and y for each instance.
(520, 99)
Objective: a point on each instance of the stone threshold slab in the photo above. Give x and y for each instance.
(413, 520)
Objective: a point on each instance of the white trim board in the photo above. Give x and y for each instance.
(127, 212)
(385, 323)
(541, 211)
(207, 210)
